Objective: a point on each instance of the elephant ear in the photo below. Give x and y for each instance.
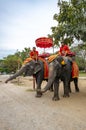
(57, 64)
(37, 68)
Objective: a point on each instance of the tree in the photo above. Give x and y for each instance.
(23, 54)
(71, 21)
(12, 63)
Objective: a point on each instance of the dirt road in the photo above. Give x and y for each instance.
(21, 110)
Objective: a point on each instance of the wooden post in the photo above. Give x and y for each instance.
(18, 70)
(34, 83)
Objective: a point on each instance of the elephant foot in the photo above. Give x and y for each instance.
(38, 94)
(55, 98)
(66, 95)
(77, 90)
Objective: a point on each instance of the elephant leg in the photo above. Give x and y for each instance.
(66, 89)
(76, 84)
(56, 90)
(38, 93)
(69, 86)
(38, 89)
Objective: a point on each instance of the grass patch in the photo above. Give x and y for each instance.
(82, 74)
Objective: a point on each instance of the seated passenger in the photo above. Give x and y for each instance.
(34, 54)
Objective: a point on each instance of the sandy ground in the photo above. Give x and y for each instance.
(21, 110)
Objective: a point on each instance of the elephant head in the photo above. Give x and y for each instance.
(29, 69)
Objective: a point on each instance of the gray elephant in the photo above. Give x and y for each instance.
(58, 71)
(32, 68)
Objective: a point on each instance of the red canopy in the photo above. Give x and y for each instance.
(44, 42)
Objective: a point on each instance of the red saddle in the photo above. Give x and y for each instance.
(71, 54)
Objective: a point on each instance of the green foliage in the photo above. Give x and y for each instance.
(71, 20)
(80, 56)
(24, 54)
(12, 63)
(82, 74)
(80, 62)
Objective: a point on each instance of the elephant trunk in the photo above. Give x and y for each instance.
(51, 78)
(47, 87)
(16, 74)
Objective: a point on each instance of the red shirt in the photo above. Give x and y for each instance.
(64, 49)
(34, 54)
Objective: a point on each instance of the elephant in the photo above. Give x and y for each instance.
(75, 80)
(58, 71)
(32, 68)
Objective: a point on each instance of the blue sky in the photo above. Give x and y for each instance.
(23, 21)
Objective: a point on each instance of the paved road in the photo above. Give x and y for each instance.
(20, 110)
